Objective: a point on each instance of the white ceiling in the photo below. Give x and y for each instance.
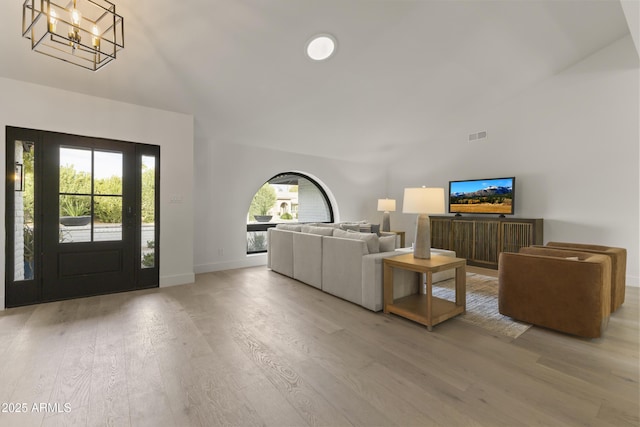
(403, 67)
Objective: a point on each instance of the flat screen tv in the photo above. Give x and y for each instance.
(482, 196)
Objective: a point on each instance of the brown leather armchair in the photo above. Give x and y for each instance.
(618, 258)
(568, 291)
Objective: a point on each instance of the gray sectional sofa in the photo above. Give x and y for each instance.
(343, 263)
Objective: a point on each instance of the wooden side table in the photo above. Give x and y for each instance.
(402, 235)
(425, 308)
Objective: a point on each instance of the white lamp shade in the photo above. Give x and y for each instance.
(386, 205)
(423, 201)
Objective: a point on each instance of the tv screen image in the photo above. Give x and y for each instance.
(482, 196)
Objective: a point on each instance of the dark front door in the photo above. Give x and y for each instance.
(92, 212)
(88, 221)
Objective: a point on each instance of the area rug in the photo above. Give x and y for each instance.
(482, 305)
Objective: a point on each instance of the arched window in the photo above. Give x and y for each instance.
(289, 197)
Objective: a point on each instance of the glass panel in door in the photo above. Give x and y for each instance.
(75, 195)
(107, 200)
(24, 218)
(148, 211)
(90, 195)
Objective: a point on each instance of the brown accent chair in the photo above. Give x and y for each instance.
(618, 266)
(568, 291)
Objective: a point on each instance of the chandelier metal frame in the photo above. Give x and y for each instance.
(86, 33)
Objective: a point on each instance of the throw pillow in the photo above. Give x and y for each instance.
(387, 243)
(375, 228)
(322, 231)
(341, 233)
(373, 244)
(348, 226)
(365, 228)
(344, 234)
(325, 224)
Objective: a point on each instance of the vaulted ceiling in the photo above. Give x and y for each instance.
(403, 67)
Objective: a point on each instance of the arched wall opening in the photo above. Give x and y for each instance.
(289, 197)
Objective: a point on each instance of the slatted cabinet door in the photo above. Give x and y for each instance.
(485, 242)
(463, 238)
(441, 237)
(516, 235)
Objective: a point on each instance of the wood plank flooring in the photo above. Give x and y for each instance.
(252, 347)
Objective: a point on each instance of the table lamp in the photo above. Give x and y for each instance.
(423, 201)
(386, 206)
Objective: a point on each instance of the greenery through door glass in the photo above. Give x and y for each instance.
(148, 202)
(24, 207)
(109, 210)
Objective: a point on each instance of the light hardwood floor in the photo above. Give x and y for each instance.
(252, 347)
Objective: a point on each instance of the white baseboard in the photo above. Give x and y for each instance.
(249, 261)
(633, 281)
(179, 279)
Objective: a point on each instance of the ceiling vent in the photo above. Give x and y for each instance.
(479, 136)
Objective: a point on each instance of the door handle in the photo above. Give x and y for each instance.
(130, 216)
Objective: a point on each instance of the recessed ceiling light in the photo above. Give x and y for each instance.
(321, 47)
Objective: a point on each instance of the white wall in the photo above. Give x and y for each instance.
(631, 9)
(228, 176)
(572, 143)
(39, 107)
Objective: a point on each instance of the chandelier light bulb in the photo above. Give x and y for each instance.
(74, 30)
(96, 37)
(76, 17)
(53, 21)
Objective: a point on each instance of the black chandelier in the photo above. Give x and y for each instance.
(87, 33)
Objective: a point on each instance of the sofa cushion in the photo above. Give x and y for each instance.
(280, 254)
(307, 258)
(289, 227)
(342, 267)
(322, 231)
(372, 241)
(387, 243)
